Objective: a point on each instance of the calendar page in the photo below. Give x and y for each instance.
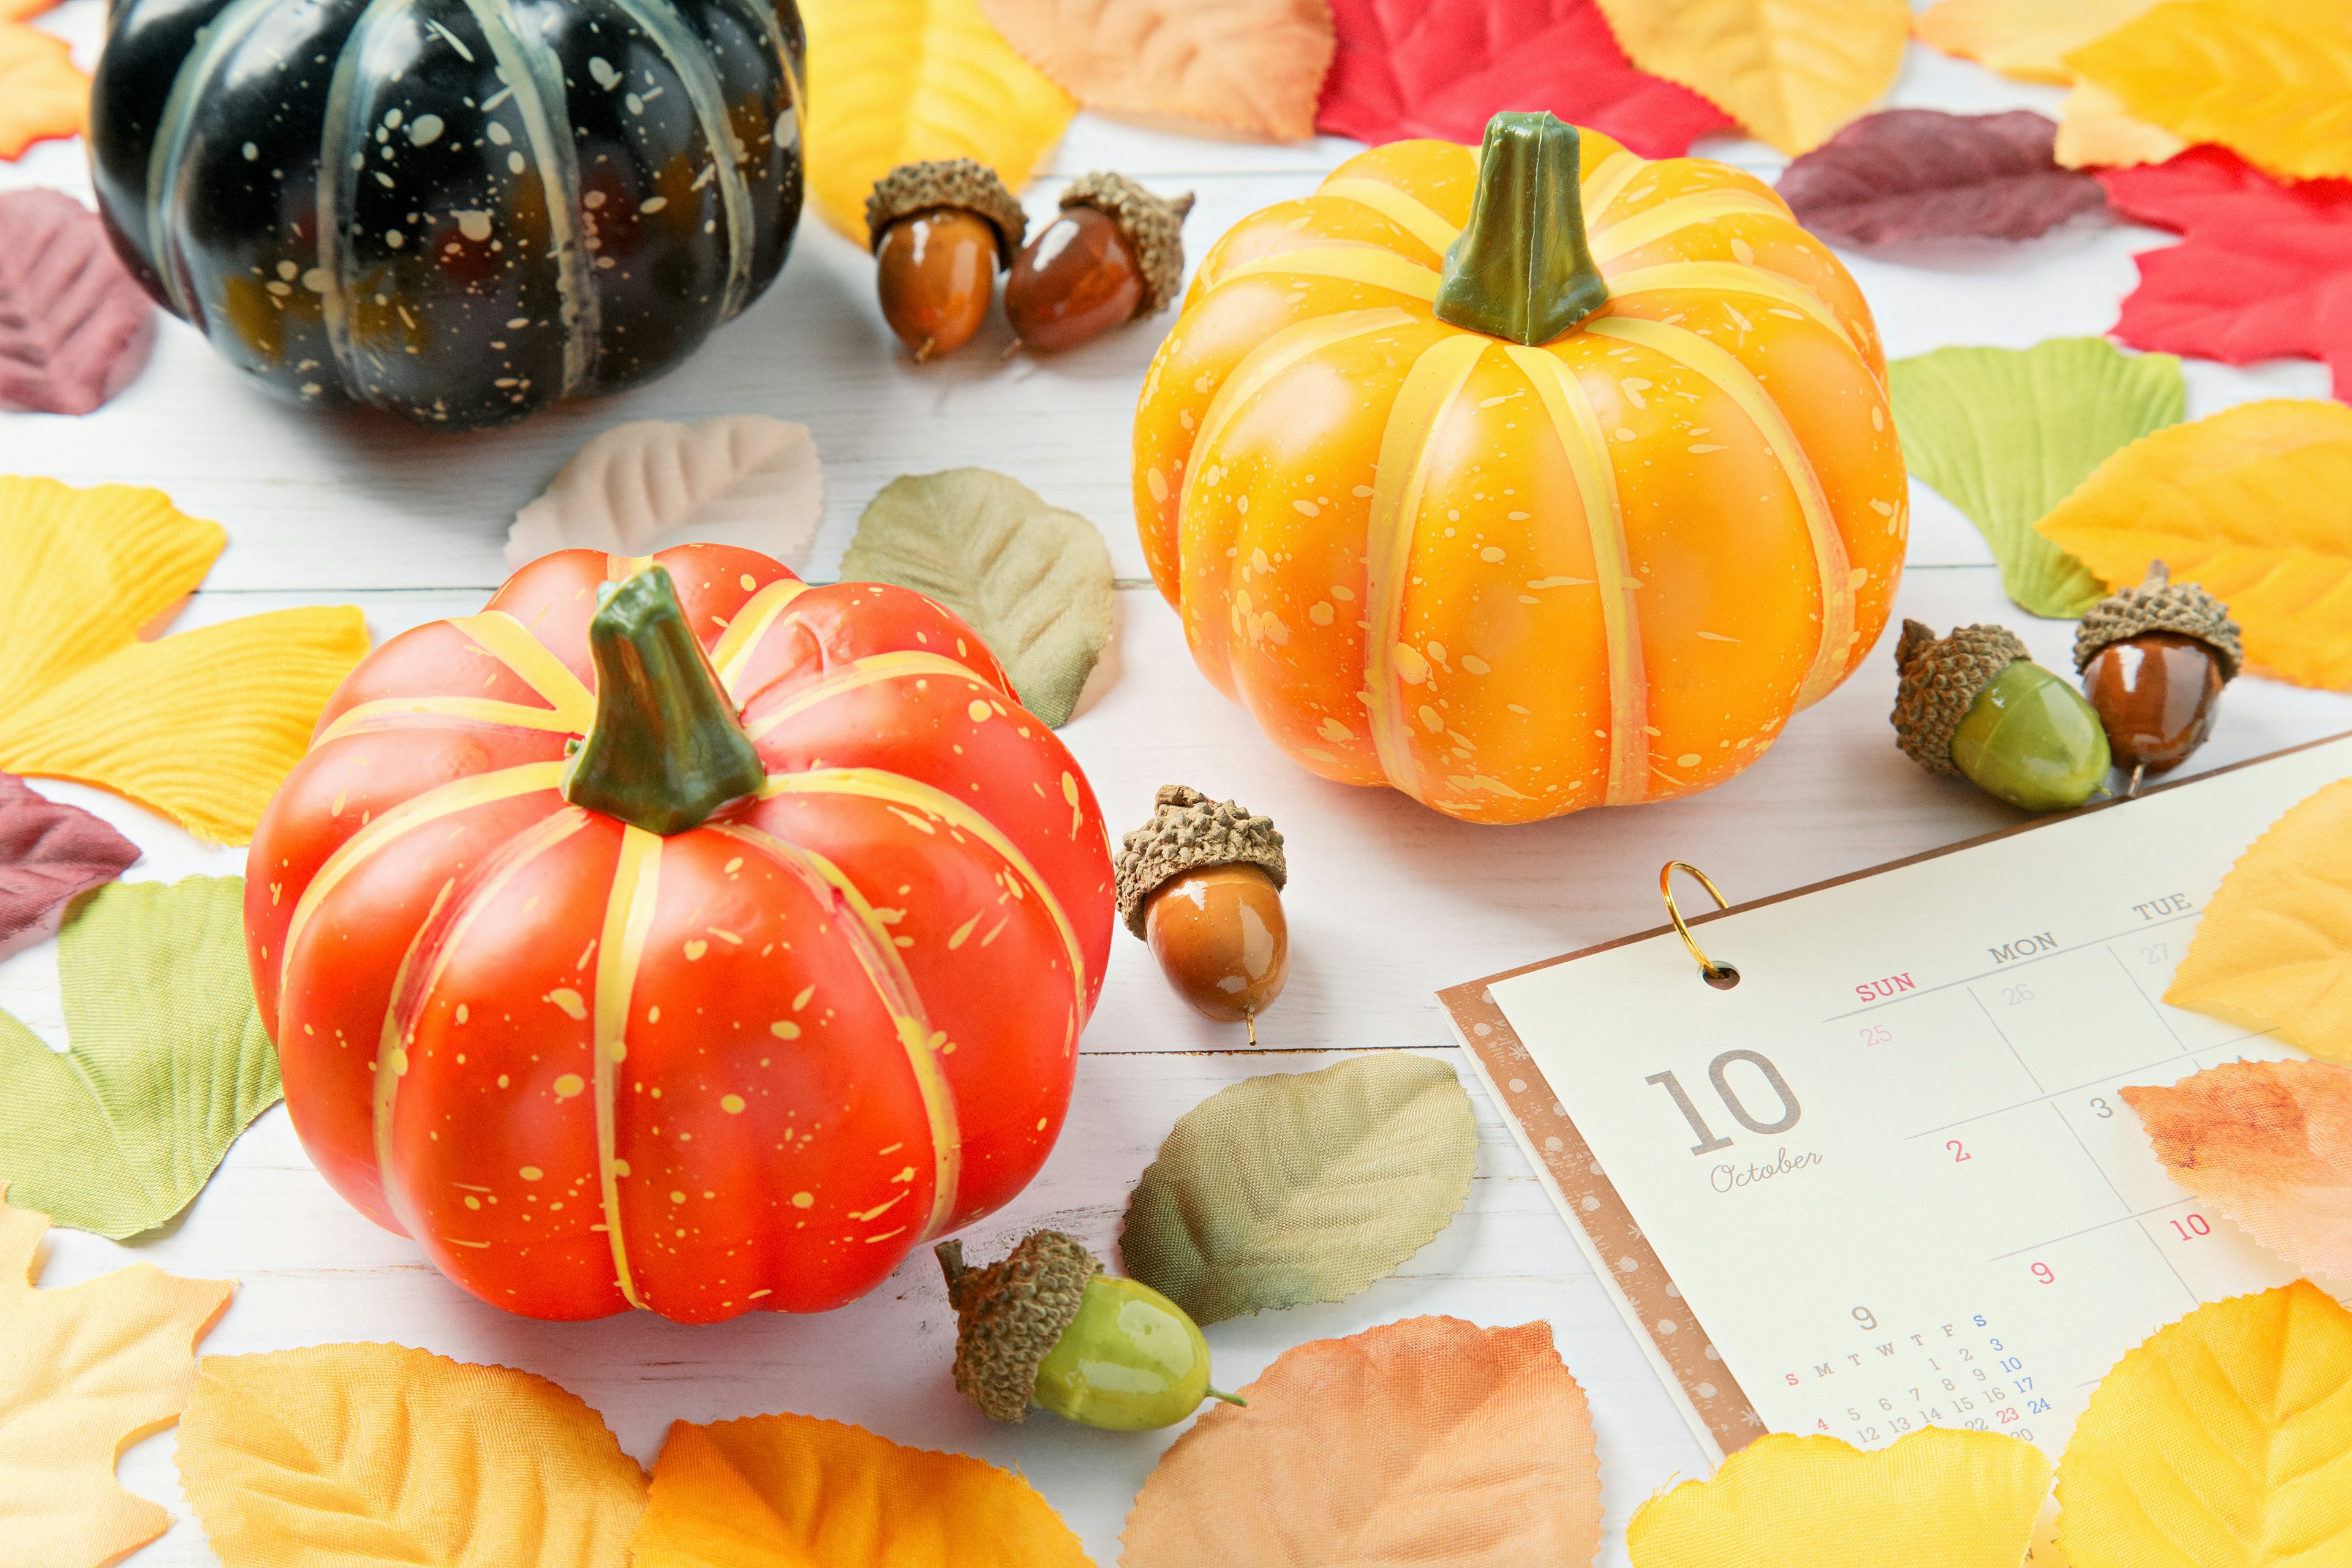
(1889, 1172)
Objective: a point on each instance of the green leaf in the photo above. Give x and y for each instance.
(1302, 1186)
(2006, 434)
(168, 1063)
(1034, 581)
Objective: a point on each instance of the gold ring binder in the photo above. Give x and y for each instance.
(1722, 976)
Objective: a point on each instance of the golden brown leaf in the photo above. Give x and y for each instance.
(2273, 949)
(2269, 1145)
(41, 94)
(1430, 1441)
(2028, 39)
(86, 1371)
(1792, 72)
(1254, 66)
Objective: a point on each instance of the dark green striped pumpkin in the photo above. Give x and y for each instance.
(457, 210)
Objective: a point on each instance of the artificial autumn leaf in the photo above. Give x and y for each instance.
(23, 10)
(1248, 66)
(1920, 173)
(75, 326)
(48, 852)
(1430, 1441)
(2095, 129)
(2006, 434)
(2274, 949)
(1439, 68)
(1939, 1498)
(2269, 79)
(2264, 269)
(201, 725)
(2224, 1440)
(41, 94)
(1792, 72)
(1033, 580)
(2248, 505)
(89, 1371)
(792, 1491)
(358, 1455)
(2269, 1145)
(743, 480)
(1296, 1188)
(904, 81)
(169, 1061)
(2028, 39)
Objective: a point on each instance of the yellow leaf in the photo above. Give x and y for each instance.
(904, 81)
(2270, 79)
(41, 94)
(201, 725)
(2273, 949)
(85, 1373)
(1792, 72)
(367, 1455)
(792, 1491)
(2223, 1441)
(2028, 39)
(1938, 1499)
(2248, 504)
(2096, 130)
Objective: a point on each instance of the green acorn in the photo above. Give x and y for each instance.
(1972, 705)
(1047, 1327)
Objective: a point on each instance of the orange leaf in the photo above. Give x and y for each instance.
(2096, 130)
(792, 1491)
(2269, 1145)
(2028, 39)
(1254, 66)
(41, 94)
(2248, 505)
(1431, 1441)
(85, 1373)
(1792, 72)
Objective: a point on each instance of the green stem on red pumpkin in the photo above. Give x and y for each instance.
(1522, 269)
(665, 749)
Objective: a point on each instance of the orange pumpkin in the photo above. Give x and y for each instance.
(1453, 502)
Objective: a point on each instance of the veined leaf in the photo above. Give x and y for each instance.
(1920, 173)
(1252, 67)
(2097, 129)
(2028, 39)
(49, 852)
(1792, 72)
(743, 480)
(75, 326)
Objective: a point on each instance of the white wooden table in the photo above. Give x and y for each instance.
(1387, 901)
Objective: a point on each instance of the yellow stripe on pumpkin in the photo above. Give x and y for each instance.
(1350, 263)
(1407, 212)
(860, 673)
(1653, 224)
(1729, 277)
(1607, 182)
(395, 713)
(510, 642)
(620, 953)
(733, 649)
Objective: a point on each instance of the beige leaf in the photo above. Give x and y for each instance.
(1254, 66)
(2028, 39)
(743, 480)
(2096, 129)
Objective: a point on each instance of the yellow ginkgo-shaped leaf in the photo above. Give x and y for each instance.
(359, 1454)
(2223, 1441)
(2249, 505)
(84, 1373)
(1792, 72)
(905, 81)
(1938, 1499)
(2028, 39)
(201, 725)
(2269, 79)
(2097, 131)
(2273, 949)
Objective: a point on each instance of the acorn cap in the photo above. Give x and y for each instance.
(1941, 678)
(2161, 604)
(1010, 1314)
(1154, 228)
(962, 182)
(1189, 832)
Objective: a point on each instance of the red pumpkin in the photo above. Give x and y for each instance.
(702, 952)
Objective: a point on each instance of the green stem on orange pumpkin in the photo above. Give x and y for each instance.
(1522, 269)
(665, 749)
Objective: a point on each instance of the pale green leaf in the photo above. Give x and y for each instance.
(168, 1063)
(1034, 581)
(2006, 434)
(1301, 1187)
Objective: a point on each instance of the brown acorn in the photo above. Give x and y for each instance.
(1116, 252)
(941, 233)
(1202, 883)
(2153, 660)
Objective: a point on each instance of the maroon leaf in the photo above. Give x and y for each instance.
(1443, 68)
(73, 325)
(1920, 173)
(48, 853)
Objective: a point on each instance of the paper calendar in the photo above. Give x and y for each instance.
(1886, 1180)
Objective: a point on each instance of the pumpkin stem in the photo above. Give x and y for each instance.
(1522, 269)
(665, 749)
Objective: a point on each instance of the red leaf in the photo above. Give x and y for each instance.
(1443, 68)
(2264, 267)
(48, 853)
(1920, 173)
(75, 326)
